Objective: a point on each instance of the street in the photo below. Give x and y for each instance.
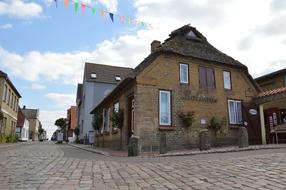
(50, 166)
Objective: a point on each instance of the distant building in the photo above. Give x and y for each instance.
(22, 129)
(98, 81)
(71, 123)
(9, 101)
(272, 80)
(33, 117)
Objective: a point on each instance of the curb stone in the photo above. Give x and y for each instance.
(90, 150)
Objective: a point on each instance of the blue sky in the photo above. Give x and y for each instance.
(43, 48)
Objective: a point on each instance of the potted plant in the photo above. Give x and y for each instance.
(187, 118)
(216, 124)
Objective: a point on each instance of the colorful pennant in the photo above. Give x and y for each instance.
(103, 13)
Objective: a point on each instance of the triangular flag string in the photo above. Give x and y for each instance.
(103, 13)
(111, 17)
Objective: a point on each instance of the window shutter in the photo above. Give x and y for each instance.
(210, 78)
(202, 77)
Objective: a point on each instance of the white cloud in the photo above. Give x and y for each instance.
(6, 26)
(37, 86)
(63, 101)
(111, 5)
(20, 9)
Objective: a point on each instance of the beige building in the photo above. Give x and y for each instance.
(183, 74)
(9, 97)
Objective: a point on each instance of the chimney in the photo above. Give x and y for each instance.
(24, 107)
(154, 45)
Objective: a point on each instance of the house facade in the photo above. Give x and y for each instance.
(71, 123)
(34, 123)
(22, 129)
(182, 75)
(9, 97)
(98, 81)
(273, 100)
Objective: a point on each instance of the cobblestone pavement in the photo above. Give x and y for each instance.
(50, 166)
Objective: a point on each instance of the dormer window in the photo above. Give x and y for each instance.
(117, 78)
(93, 75)
(191, 34)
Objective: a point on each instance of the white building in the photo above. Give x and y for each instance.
(22, 128)
(98, 81)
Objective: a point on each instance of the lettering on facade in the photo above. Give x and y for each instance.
(199, 98)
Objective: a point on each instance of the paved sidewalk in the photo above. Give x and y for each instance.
(110, 152)
(102, 151)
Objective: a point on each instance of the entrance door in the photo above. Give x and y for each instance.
(130, 129)
(250, 115)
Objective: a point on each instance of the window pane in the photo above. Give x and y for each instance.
(231, 111)
(210, 78)
(165, 108)
(202, 77)
(226, 80)
(184, 73)
(238, 112)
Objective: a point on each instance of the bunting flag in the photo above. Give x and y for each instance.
(103, 13)
(75, 6)
(111, 17)
(93, 10)
(82, 8)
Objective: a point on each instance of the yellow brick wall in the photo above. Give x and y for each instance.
(271, 82)
(7, 107)
(163, 73)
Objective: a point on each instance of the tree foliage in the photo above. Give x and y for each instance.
(61, 122)
(76, 132)
(118, 119)
(97, 121)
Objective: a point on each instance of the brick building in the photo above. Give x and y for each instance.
(183, 73)
(273, 100)
(9, 102)
(71, 122)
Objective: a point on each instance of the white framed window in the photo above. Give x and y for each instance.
(184, 73)
(116, 107)
(117, 77)
(4, 93)
(226, 80)
(165, 107)
(93, 75)
(284, 79)
(235, 112)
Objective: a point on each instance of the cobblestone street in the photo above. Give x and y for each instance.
(50, 166)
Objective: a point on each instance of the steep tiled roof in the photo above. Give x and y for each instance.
(271, 92)
(5, 76)
(21, 118)
(188, 41)
(31, 113)
(282, 71)
(104, 73)
(79, 94)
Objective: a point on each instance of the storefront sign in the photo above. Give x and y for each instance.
(201, 98)
(253, 111)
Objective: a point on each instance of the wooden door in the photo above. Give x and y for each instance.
(250, 114)
(130, 119)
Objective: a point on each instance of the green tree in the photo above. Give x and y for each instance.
(61, 123)
(97, 121)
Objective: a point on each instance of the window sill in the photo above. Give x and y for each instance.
(166, 128)
(235, 126)
(106, 132)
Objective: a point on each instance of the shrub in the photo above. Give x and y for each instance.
(97, 121)
(118, 119)
(187, 118)
(216, 123)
